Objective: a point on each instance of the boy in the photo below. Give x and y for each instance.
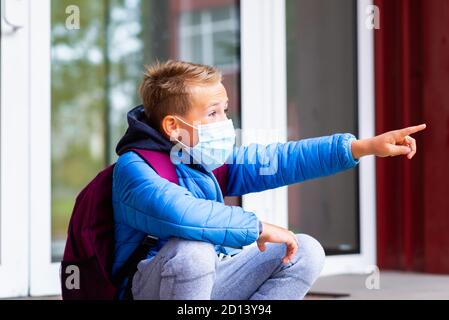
(184, 114)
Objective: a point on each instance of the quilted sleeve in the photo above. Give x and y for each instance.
(258, 167)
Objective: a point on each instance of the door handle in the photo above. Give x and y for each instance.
(14, 13)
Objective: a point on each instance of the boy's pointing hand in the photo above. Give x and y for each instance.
(390, 144)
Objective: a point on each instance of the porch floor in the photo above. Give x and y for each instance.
(392, 285)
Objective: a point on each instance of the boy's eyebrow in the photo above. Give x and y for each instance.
(215, 103)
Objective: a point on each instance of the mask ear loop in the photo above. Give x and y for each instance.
(192, 126)
(177, 139)
(186, 123)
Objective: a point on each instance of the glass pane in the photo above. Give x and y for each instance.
(97, 69)
(191, 47)
(322, 100)
(222, 14)
(225, 43)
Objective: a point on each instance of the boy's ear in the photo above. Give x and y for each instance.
(169, 125)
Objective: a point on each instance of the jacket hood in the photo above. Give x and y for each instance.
(141, 135)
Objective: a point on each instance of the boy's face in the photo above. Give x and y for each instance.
(209, 104)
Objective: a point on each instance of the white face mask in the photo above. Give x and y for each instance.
(215, 143)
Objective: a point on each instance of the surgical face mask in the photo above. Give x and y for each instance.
(215, 143)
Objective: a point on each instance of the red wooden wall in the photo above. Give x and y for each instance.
(412, 87)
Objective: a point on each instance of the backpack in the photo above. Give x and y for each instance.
(86, 268)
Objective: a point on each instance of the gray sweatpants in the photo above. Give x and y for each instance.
(191, 270)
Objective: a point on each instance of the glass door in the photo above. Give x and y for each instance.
(326, 77)
(308, 69)
(13, 149)
(91, 64)
(322, 100)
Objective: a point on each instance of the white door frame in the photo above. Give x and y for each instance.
(44, 275)
(14, 170)
(264, 93)
(264, 117)
(366, 260)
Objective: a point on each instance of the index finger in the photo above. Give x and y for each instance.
(292, 248)
(293, 251)
(414, 129)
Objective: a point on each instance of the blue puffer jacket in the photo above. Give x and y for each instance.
(144, 203)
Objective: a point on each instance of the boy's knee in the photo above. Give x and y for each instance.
(188, 259)
(311, 254)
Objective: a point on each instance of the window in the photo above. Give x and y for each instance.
(322, 100)
(97, 69)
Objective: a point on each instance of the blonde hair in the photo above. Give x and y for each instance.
(166, 88)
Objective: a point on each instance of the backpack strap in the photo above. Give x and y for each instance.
(160, 162)
(221, 174)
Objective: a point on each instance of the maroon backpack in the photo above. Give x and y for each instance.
(87, 263)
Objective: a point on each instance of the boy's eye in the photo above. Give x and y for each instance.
(214, 113)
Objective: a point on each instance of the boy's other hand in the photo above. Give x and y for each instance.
(276, 234)
(390, 144)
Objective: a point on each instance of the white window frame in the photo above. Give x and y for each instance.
(14, 170)
(264, 110)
